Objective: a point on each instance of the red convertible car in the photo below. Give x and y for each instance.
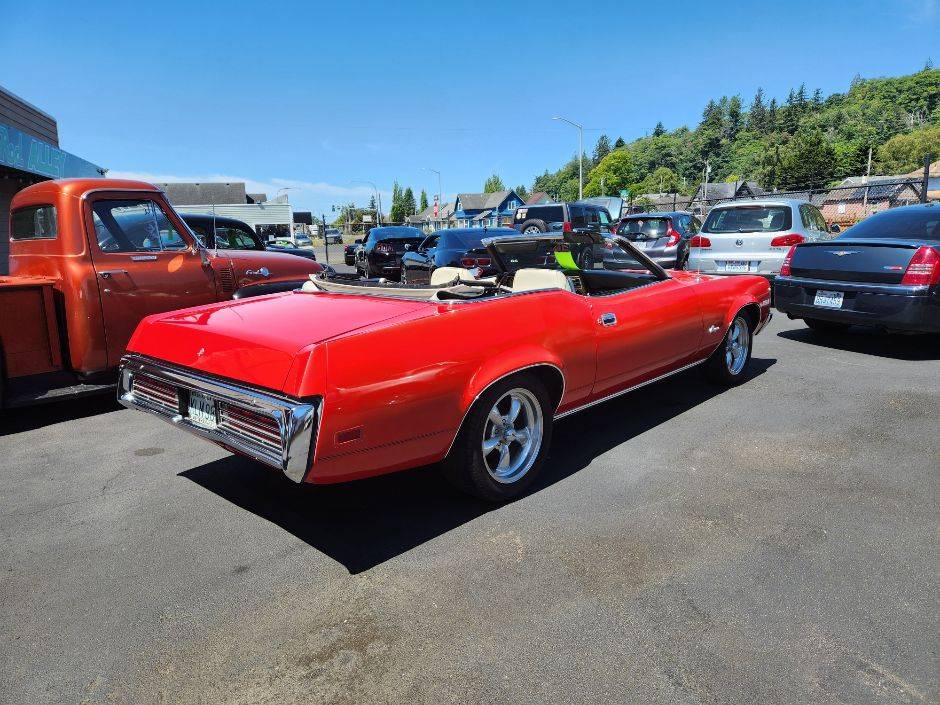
(344, 378)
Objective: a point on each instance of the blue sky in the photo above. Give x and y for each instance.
(381, 91)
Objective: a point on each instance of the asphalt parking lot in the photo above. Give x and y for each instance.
(775, 542)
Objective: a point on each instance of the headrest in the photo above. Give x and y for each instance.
(532, 279)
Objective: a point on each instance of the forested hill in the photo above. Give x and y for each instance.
(809, 140)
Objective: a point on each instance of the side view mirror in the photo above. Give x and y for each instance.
(834, 228)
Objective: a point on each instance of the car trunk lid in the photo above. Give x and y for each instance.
(862, 260)
(255, 340)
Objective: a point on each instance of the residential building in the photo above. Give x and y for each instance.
(430, 222)
(486, 210)
(538, 198)
(30, 153)
(660, 202)
(857, 197)
(709, 195)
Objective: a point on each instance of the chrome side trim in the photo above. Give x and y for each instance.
(863, 287)
(482, 391)
(298, 421)
(626, 391)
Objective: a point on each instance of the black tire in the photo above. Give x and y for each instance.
(821, 326)
(717, 368)
(466, 467)
(586, 260)
(366, 270)
(540, 225)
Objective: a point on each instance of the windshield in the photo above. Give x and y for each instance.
(640, 229)
(748, 219)
(900, 223)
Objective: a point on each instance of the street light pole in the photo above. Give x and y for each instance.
(580, 154)
(378, 199)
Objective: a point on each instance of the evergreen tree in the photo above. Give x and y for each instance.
(659, 130)
(601, 149)
(808, 161)
(817, 98)
(522, 192)
(409, 207)
(772, 117)
(735, 117)
(493, 184)
(423, 205)
(757, 115)
(396, 214)
(619, 143)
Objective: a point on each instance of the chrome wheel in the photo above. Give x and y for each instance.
(512, 435)
(736, 346)
(531, 230)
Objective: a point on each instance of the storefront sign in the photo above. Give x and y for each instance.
(26, 153)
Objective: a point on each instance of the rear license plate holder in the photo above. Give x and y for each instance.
(828, 299)
(203, 411)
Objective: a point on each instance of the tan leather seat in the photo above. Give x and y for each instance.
(533, 279)
(448, 275)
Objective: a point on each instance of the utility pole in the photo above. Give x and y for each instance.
(926, 182)
(867, 176)
(580, 154)
(326, 240)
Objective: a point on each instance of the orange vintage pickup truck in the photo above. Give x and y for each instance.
(89, 258)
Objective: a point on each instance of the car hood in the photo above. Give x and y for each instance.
(281, 266)
(256, 340)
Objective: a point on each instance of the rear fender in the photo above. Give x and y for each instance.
(518, 360)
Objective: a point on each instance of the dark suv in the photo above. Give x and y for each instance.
(576, 217)
(381, 251)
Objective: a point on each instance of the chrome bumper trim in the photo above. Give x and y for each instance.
(298, 421)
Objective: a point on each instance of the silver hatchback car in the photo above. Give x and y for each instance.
(753, 237)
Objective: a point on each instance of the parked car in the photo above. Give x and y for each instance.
(454, 247)
(349, 252)
(353, 378)
(294, 241)
(333, 236)
(580, 216)
(663, 237)
(381, 251)
(89, 258)
(883, 272)
(218, 232)
(753, 237)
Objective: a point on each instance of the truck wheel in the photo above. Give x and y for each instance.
(534, 225)
(728, 364)
(825, 326)
(504, 440)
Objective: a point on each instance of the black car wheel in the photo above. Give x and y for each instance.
(825, 326)
(728, 364)
(503, 441)
(586, 261)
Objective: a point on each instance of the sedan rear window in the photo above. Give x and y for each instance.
(34, 223)
(748, 219)
(637, 229)
(900, 223)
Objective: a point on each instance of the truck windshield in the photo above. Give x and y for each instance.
(134, 226)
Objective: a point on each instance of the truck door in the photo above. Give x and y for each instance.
(145, 262)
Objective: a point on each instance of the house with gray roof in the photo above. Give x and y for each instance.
(486, 210)
(857, 197)
(709, 195)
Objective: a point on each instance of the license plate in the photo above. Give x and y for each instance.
(829, 299)
(202, 410)
(737, 266)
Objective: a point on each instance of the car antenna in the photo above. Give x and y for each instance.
(215, 238)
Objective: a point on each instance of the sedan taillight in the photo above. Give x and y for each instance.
(470, 262)
(923, 269)
(384, 248)
(785, 267)
(700, 241)
(787, 240)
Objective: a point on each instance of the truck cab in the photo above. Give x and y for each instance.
(90, 258)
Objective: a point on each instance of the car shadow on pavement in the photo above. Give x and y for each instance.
(364, 523)
(30, 418)
(896, 346)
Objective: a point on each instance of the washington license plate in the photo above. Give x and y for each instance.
(202, 410)
(737, 266)
(829, 299)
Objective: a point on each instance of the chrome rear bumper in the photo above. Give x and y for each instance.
(272, 429)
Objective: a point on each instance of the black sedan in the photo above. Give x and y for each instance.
(883, 272)
(349, 252)
(381, 251)
(231, 234)
(457, 247)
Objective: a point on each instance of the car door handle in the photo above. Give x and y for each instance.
(607, 319)
(108, 273)
(262, 272)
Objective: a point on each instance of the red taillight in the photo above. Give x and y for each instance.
(673, 236)
(566, 226)
(787, 240)
(384, 248)
(700, 241)
(785, 267)
(470, 262)
(924, 268)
